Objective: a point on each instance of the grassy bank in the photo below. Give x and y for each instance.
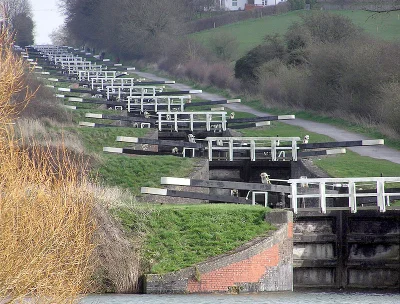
(180, 236)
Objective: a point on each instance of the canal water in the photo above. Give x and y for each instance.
(296, 297)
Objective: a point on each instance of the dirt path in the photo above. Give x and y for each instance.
(378, 152)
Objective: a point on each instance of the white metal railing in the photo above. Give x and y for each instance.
(135, 91)
(172, 103)
(274, 148)
(69, 59)
(102, 83)
(88, 75)
(192, 120)
(373, 187)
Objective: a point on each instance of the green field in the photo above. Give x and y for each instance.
(250, 33)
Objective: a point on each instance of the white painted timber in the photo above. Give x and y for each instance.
(285, 117)
(156, 191)
(64, 89)
(263, 123)
(60, 96)
(53, 79)
(127, 139)
(93, 115)
(87, 124)
(335, 151)
(70, 107)
(175, 181)
(233, 100)
(195, 91)
(113, 150)
(75, 99)
(372, 142)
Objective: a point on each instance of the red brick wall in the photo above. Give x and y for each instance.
(246, 271)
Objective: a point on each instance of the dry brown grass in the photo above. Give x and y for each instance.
(46, 211)
(46, 226)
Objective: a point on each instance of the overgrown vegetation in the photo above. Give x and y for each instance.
(326, 63)
(46, 221)
(180, 236)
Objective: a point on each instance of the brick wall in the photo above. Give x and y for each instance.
(264, 264)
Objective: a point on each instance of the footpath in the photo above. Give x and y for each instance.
(377, 152)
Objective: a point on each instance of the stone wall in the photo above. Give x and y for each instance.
(264, 264)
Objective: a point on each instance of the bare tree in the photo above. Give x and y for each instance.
(13, 8)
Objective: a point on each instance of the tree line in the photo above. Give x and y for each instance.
(17, 15)
(130, 28)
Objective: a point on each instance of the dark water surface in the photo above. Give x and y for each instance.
(265, 298)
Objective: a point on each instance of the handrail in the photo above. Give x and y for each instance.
(378, 191)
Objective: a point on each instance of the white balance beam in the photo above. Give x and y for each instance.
(127, 139)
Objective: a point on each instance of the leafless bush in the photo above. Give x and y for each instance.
(390, 100)
(118, 258)
(197, 70)
(220, 75)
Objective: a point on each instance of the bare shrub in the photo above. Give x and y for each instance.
(327, 27)
(118, 254)
(118, 258)
(294, 85)
(12, 82)
(220, 75)
(197, 70)
(390, 101)
(182, 51)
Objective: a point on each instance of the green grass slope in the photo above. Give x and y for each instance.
(250, 33)
(179, 236)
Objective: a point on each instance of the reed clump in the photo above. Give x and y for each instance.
(46, 209)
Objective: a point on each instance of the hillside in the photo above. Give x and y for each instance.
(250, 33)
